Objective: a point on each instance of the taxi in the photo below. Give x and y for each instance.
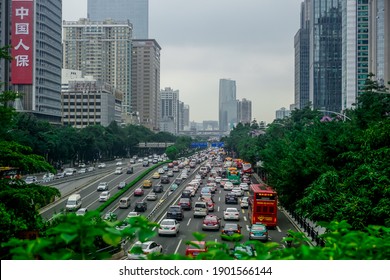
(147, 183)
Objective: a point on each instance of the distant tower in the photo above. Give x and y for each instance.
(244, 111)
(227, 104)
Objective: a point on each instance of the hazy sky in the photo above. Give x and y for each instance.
(202, 41)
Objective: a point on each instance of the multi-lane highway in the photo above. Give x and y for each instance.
(156, 210)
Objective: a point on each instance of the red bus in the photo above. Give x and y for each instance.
(263, 205)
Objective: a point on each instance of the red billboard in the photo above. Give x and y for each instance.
(22, 39)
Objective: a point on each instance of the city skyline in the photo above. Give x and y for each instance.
(197, 55)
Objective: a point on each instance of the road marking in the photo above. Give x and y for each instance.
(218, 208)
(245, 219)
(247, 227)
(189, 220)
(278, 228)
(178, 245)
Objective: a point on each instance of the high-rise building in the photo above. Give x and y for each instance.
(145, 75)
(186, 116)
(302, 55)
(35, 34)
(227, 104)
(101, 49)
(325, 54)
(100, 101)
(282, 113)
(136, 11)
(244, 111)
(169, 110)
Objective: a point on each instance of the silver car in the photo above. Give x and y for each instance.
(169, 227)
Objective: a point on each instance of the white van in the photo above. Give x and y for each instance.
(200, 209)
(74, 202)
(124, 202)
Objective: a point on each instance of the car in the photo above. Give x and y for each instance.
(186, 193)
(70, 171)
(132, 161)
(191, 189)
(231, 214)
(119, 163)
(200, 209)
(194, 248)
(211, 222)
(103, 186)
(165, 179)
(145, 163)
(161, 171)
(156, 175)
(59, 175)
(169, 227)
(218, 179)
(31, 180)
(82, 171)
(151, 196)
(231, 198)
(118, 170)
(185, 203)
(82, 165)
(132, 214)
(90, 169)
(244, 186)
(242, 251)
(205, 191)
(147, 183)
(101, 165)
(121, 185)
(212, 186)
(258, 232)
(184, 175)
(228, 186)
(110, 216)
(147, 248)
(175, 212)
(104, 196)
(158, 188)
(48, 177)
(81, 212)
(238, 191)
(173, 187)
(175, 169)
(210, 202)
(178, 180)
(140, 206)
(170, 173)
(138, 192)
(231, 231)
(223, 182)
(130, 170)
(244, 202)
(246, 180)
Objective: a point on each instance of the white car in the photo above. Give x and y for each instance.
(102, 165)
(119, 163)
(103, 186)
(231, 214)
(218, 179)
(31, 179)
(244, 186)
(81, 211)
(118, 170)
(132, 214)
(82, 171)
(244, 203)
(146, 247)
(169, 227)
(48, 177)
(237, 191)
(104, 196)
(151, 196)
(228, 186)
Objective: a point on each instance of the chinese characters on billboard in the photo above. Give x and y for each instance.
(22, 41)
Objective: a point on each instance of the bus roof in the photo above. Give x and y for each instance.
(262, 188)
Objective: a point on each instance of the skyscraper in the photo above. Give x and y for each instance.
(169, 110)
(136, 11)
(101, 49)
(145, 82)
(35, 29)
(227, 104)
(244, 111)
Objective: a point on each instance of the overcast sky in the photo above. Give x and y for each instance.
(203, 41)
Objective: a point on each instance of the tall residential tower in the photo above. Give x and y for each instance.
(227, 104)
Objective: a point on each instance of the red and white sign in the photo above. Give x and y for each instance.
(22, 39)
